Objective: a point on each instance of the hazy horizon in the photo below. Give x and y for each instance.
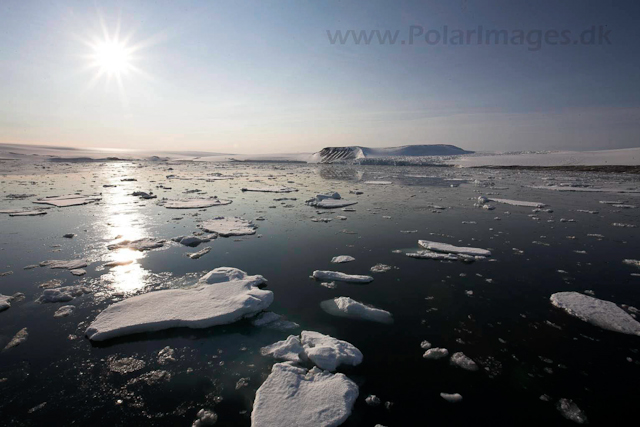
(253, 78)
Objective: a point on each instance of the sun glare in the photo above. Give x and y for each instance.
(112, 58)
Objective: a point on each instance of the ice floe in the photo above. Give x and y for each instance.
(68, 200)
(327, 352)
(5, 302)
(63, 294)
(341, 277)
(20, 337)
(222, 296)
(570, 411)
(347, 307)
(380, 268)
(451, 398)
(342, 259)
(194, 240)
(603, 314)
(447, 248)
(64, 311)
(33, 212)
(193, 203)
(199, 254)
(228, 226)
(436, 353)
(145, 244)
(290, 349)
(68, 265)
(461, 360)
(294, 396)
(270, 189)
(329, 201)
(205, 418)
(273, 320)
(482, 200)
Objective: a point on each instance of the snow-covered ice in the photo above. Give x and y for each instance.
(482, 200)
(341, 277)
(347, 307)
(289, 349)
(194, 203)
(447, 248)
(145, 244)
(5, 302)
(294, 396)
(194, 240)
(329, 201)
(64, 311)
(20, 337)
(68, 200)
(436, 353)
(273, 320)
(200, 253)
(342, 259)
(270, 189)
(327, 352)
(228, 226)
(603, 314)
(461, 360)
(451, 398)
(571, 411)
(68, 265)
(222, 296)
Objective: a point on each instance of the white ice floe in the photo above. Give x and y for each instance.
(603, 314)
(33, 212)
(196, 255)
(194, 203)
(436, 353)
(634, 262)
(68, 265)
(341, 277)
(205, 418)
(290, 349)
(228, 226)
(194, 240)
(461, 360)
(293, 396)
(5, 302)
(327, 352)
(64, 311)
(68, 200)
(145, 244)
(570, 411)
(347, 307)
(63, 294)
(380, 268)
(426, 254)
(451, 398)
(342, 259)
(447, 248)
(482, 200)
(272, 320)
(78, 272)
(329, 201)
(270, 189)
(222, 296)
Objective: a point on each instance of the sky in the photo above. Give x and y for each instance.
(265, 77)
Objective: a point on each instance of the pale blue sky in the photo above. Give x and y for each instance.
(261, 76)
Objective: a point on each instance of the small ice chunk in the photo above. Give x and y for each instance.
(64, 311)
(426, 254)
(327, 352)
(451, 398)
(342, 259)
(78, 272)
(517, 203)
(289, 349)
(436, 353)
(347, 307)
(272, 320)
(63, 294)
(604, 314)
(220, 297)
(270, 189)
(17, 339)
(166, 355)
(196, 255)
(380, 268)
(293, 396)
(341, 277)
(372, 400)
(447, 248)
(461, 360)
(570, 411)
(634, 262)
(5, 302)
(193, 240)
(204, 418)
(145, 244)
(229, 226)
(329, 201)
(194, 203)
(68, 200)
(425, 345)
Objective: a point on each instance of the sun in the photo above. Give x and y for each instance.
(112, 58)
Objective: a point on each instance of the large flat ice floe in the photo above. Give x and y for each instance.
(340, 259)
(450, 249)
(145, 244)
(294, 396)
(194, 203)
(68, 200)
(603, 314)
(222, 296)
(270, 189)
(66, 265)
(347, 307)
(228, 226)
(341, 277)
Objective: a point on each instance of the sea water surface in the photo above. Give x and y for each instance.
(496, 311)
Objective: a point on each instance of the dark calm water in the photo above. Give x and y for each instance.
(525, 347)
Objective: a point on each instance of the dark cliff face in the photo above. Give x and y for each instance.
(336, 154)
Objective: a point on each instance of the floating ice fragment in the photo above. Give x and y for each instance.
(293, 396)
(372, 400)
(604, 314)
(17, 339)
(194, 240)
(270, 189)
(64, 294)
(194, 203)
(570, 411)
(166, 355)
(341, 277)
(68, 265)
(342, 259)
(289, 349)
(347, 307)
(229, 226)
(205, 418)
(272, 320)
(436, 353)
(447, 248)
(329, 201)
(145, 244)
(327, 352)
(196, 255)
(461, 360)
(634, 262)
(451, 398)
(222, 296)
(64, 311)
(68, 200)
(380, 268)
